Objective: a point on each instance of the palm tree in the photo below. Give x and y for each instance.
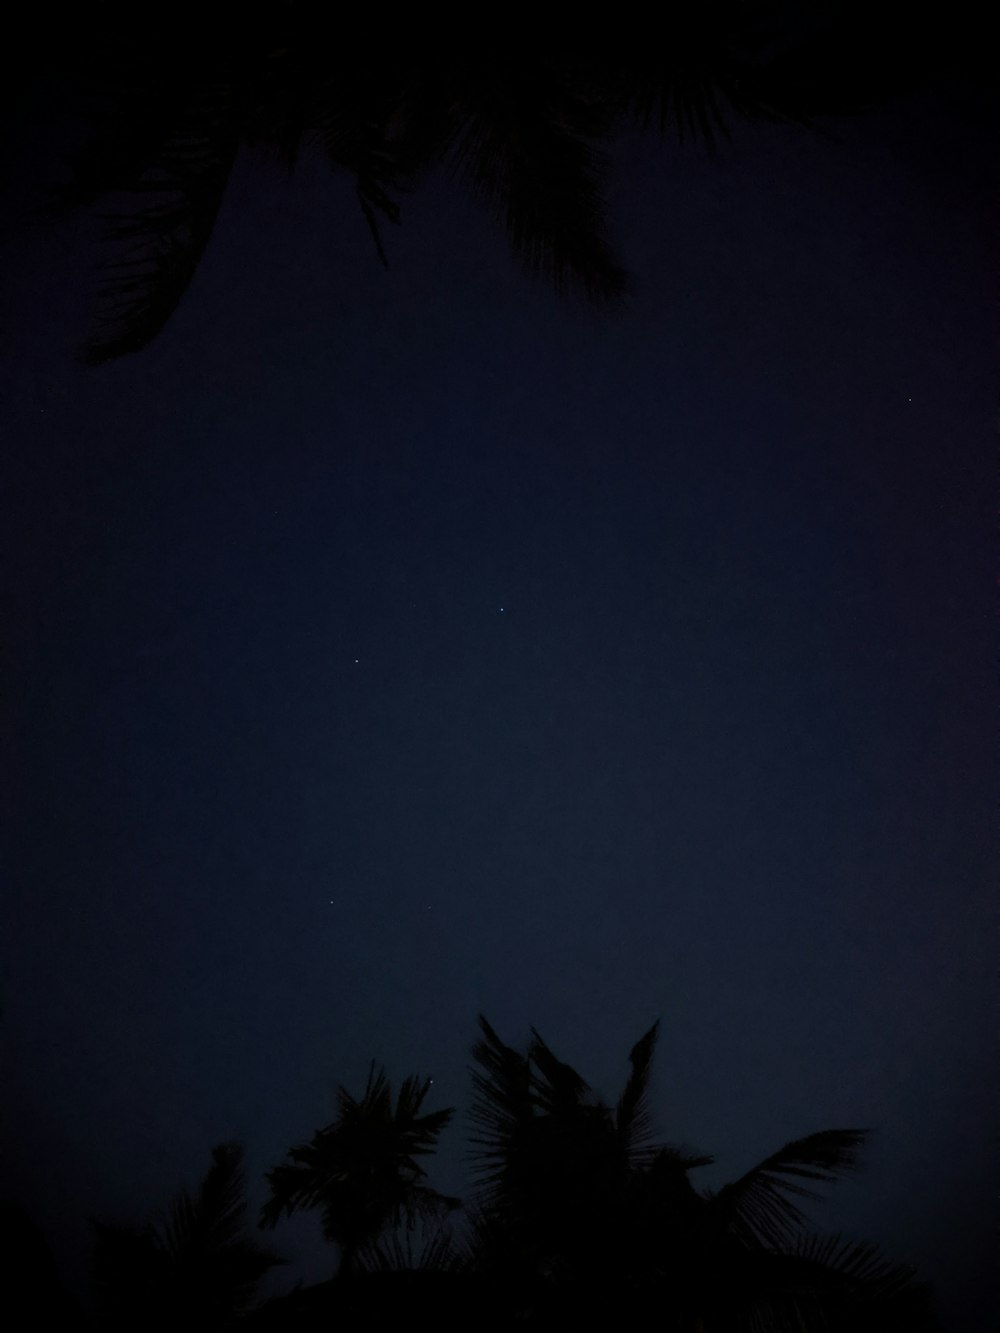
(198, 1268)
(585, 1213)
(524, 124)
(362, 1169)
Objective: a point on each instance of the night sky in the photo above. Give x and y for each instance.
(387, 647)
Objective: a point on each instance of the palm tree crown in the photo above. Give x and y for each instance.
(579, 1205)
(362, 1170)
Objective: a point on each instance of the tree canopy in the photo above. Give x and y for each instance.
(578, 1211)
(526, 127)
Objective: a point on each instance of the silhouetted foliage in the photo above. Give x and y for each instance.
(584, 1214)
(580, 1214)
(525, 126)
(361, 1170)
(34, 1282)
(198, 1269)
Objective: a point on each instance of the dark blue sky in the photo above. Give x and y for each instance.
(388, 648)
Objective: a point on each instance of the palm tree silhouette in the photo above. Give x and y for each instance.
(198, 1268)
(584, 1213)
(525, 125)
(362, 1170)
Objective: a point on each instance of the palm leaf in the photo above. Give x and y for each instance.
(503, 1106)
(688, 101)
(349, 115)
(165, 113)
(858, 1264)
(759, 1207)
(419, 1132)
(557, 1087)
(216, 1216)
(199, 1265)
(839, 1285)
(157, 248)
(633, 1120)
(436, 1254)
(520, 149)
(714, 67)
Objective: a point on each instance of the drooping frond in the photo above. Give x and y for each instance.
(157, 244)
(842, 1286)
(350, 113)
(165, 114)
(520, 149)
(859, 1264)
(759, 1207)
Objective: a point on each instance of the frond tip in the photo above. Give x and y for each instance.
(632, 1115)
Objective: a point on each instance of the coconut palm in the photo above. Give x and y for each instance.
(585, 1212)
(198, 1268)
(362, 1170)
(524, 125)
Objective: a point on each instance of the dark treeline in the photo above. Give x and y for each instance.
(577, 1212)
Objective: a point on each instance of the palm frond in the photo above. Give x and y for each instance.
(158, 248)
(839, 1285)
(669, 1157)
(685, 101)
(759, 1207)
(633, 1120)
(420, 1132)
(858, 1264)
(298, 1183)
(350, 115)
(557, 1087)
(398, 1253)
(524, 127)
(199, 1265)
(713, 69)
(420, 1203)
(663, 1202)
(374, 1103)
(221, 1200)
(503, 1105)
(164, 115)
(521, 152)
